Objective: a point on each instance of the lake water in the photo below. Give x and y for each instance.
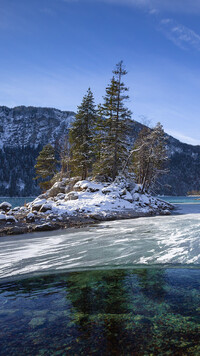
(128, 287)
(16, 201)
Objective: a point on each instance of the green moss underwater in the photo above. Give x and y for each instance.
(143, 311)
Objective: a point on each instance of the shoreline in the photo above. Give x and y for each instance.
(76, 221)
(72, 203)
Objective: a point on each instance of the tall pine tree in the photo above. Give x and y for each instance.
(81, 137)
(46, 166)
(114, 126)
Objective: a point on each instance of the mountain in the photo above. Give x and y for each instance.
(25, 130)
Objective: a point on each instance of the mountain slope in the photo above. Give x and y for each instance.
(25, 130)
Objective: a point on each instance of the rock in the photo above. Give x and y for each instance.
(98, 217)
(45, 227)
(5, 206)
(43, 196)
(23, 209)
(128, 197)
(136, 196)
(58, 187)
(71, 196)
(85, 185)
(62, 187)
(71, 184)
(45, 207)
(10, 218)
(107, 190)
(37, 322)
(37, 204)
(16, 208)
(30, 217)
(60, 196)
(2, 218)
(165, 212)
(123, 192)
(16, 230)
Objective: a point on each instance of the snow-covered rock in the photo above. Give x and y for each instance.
(91, 201)
(87, 185)
(30, 217)
(10, 218)
(5, 206)
(91, 197)
(37, 204)
(2, 217)
(45, 207)
(71, 196)
(7, 218)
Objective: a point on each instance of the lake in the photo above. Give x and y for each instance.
(128, 287)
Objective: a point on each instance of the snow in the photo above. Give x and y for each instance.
(30, 215)
(10, 218)
(102, 198)
(2, 217)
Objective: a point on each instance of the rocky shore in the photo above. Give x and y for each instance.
(76, 203)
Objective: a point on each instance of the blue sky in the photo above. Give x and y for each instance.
(53, 50)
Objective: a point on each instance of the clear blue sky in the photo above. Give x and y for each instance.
(53, 50)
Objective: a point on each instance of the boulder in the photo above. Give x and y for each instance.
(16, 208)
(37, 204)
(45, 227)
(60, 196)
(45, 207)
(107, 190)
(71, 196)
(123, 192)
(43, 196)
(165, 212)
(30, 217)
(58, 187)
(10, 218)
(5, 206)
(2, 218)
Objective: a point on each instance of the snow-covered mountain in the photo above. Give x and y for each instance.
(31, 126)
(25, 130)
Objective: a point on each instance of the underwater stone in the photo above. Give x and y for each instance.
(36, 322)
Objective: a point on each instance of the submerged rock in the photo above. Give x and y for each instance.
(37, 322)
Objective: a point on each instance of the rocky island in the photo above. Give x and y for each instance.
(73, 203)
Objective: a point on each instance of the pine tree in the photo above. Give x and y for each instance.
(81, 137)
(114, 126)
(150, 156)
(46, 166)
(62, 148)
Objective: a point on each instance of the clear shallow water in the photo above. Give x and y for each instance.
(128, 287)
(138, 311)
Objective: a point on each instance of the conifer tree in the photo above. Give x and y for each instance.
(46, 166)
(81, 137)
(62, 148)
(114, 126)
(150, 156)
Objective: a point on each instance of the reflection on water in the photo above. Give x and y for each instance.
(143, 311)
